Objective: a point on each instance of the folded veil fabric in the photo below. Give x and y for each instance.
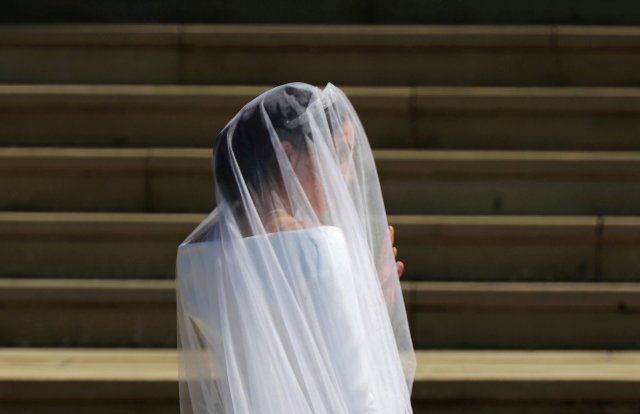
(288, 298)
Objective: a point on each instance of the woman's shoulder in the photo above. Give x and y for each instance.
(280, 220)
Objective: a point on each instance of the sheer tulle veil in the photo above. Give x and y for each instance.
(288, 298)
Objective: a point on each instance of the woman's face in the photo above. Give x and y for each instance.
(306, 171)
(344, 147)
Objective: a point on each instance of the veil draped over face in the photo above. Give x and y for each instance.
(288, 298)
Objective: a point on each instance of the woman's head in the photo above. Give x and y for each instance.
(247, 142)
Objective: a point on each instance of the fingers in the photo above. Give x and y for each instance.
(400, 266)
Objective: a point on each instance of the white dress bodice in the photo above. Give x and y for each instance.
(314, 303)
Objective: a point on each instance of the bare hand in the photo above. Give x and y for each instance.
(399, 264)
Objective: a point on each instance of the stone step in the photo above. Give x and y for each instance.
(342, 54)
(434, 247)
(443, 315)
(139, 381)
(413, 182)
(560, 118)
(581, 12)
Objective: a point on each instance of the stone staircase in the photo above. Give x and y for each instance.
(591, 12)
(510, 163)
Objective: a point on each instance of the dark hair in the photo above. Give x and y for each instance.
(250, 141)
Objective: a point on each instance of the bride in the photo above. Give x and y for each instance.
(288, 299)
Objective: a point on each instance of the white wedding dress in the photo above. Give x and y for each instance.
(279, 321)
(323, 286)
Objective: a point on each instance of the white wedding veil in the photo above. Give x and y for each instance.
(288, 298)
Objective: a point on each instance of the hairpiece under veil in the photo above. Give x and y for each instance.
(288, 298)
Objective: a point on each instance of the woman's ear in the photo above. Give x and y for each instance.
(291, 153)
